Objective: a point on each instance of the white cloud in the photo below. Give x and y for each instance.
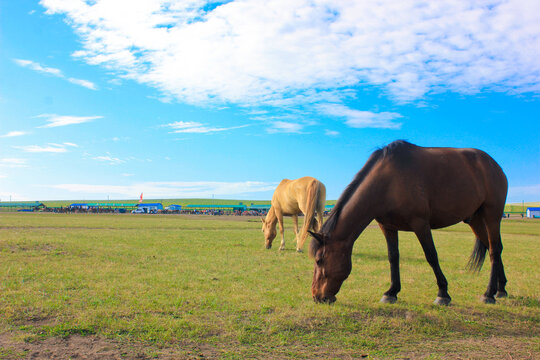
(328, 132)
(284, 127)
(50, 148)
(63, 120)
(362, 119)
(294, 51)
(54, 72)
(195, 127)
(13, 134)
(12, 162)
(39, 68)
(84, 83)
(171, 189)
(111, 160)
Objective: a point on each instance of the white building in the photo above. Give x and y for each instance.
(533, 212)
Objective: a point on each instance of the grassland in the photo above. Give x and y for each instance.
(169, 286)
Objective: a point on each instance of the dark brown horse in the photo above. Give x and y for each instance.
(412, 188)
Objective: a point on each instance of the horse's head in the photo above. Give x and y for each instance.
(269, 233)
(332, 267)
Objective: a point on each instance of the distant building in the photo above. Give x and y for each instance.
(21, 206)
(203, 207)
(174, 207)
(151, 208)
(79, 206)
(533, 212)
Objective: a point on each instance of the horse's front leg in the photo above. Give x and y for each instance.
(296, 235)
(426, 240)
(281, 231)
(391, 236)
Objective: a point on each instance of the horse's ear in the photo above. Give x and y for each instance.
(315, 244)
(317, 236)
(262, 219)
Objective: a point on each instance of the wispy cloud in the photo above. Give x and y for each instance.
(84, 83)
(39, 68)
(284, 127)
(171, 189)
(328, 132)
(260, 52)
(195, 127)
(49, 148)
(54, 72)
(362, 119)
(63, 120)
(12, 162)
(111, 160)
(13, 134)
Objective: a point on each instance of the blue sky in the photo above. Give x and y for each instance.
(178, 99)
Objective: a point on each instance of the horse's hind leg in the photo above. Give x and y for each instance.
(302, 235)
(497, 279)
(319, 219)
(426, 240)
(501, 280)
(480, 229)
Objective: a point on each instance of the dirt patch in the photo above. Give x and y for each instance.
(492, 348)
(17, 346)
(93, 348)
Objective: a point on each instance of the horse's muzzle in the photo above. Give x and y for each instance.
(325, 300)
(269, 246)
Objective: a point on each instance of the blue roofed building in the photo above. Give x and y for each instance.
(149, 208)
(533, 212)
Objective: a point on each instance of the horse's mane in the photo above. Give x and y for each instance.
(375, 157)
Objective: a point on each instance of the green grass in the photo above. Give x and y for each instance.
(192, 283)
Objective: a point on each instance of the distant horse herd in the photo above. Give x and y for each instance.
(403, 187)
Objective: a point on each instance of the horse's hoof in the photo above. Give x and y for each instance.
(299, 250)
(445, 301)
(388, 299)
(488, 299)
(501, 294)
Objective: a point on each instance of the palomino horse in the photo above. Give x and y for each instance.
(306, 195)
(412, 188)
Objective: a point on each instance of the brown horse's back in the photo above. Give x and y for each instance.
(445, 185)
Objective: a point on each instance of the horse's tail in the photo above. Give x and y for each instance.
(310, 222)
(477, 257)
